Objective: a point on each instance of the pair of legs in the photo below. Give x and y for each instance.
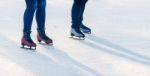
(78, 28)
(77, 13)
(38, 7)
(33, 6)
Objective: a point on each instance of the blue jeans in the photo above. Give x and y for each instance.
(77, 13)
(33, 6)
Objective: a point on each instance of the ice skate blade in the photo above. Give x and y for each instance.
(28, 48)
(43, 43)
(87, 32)
(77, 38)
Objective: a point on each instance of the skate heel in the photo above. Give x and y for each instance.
(23, 45)
(72, 34)
(39, 39)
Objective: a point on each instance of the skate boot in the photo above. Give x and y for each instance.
(85, 29)
(77, 34)
(27, 42)
(43, 37)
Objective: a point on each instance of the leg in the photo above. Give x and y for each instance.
(76, 11)
(77, 18)
(82, 10)
(40, 18)
(41, 14)
(83, 28)
(77, 14)
(28, 18)
(28, 14)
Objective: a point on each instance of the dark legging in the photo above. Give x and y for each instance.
(33, 6)
(77, 12)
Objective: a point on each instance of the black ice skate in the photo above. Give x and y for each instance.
(77, 34)
(43, 37)
(27, 42)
